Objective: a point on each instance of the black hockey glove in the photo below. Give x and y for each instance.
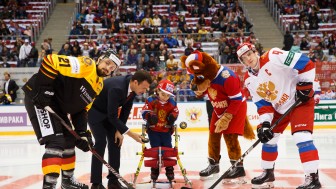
(304, 91)
(43, 97)
(85, 142)
(152, 119)
(171, 119)
(265, 134)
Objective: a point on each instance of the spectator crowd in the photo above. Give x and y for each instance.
(152, 35)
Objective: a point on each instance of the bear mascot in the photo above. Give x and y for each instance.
(229, 118)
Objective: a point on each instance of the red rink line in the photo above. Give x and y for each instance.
(23, 182)
(330, 172)
(282, 176)
(2, 178)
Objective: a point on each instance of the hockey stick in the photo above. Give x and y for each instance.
(94, 152)
(297, 102)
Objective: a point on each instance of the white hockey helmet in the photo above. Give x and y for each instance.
(112, 55)
(244, 48)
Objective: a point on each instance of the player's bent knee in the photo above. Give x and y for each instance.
(302, 136)
(54, 141)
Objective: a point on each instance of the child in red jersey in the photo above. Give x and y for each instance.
(160, 113)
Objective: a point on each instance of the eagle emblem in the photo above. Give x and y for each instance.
(212, 93)
(225, 74)
(267, 91)
(193, 114)
(162, 114)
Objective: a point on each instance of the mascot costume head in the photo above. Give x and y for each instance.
(203, 67)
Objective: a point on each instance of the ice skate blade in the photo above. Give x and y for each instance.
(265, 185)
(239, 180)
(213, 176)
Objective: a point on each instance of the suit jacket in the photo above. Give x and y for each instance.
(107, 103)
(12, 86)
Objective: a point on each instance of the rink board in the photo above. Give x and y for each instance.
(14, 119)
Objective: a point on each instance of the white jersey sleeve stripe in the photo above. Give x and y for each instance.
(308, 76)
(235, 96)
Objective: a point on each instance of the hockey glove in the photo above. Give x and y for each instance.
(171, 119)
(265, 134)
(43, 97)
(85, 143)
(304, 91)
(152, 119)
(223, 123)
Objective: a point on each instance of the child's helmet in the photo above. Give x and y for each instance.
(166, 86)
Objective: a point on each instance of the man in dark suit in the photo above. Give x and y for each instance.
(108, 123)
(10, 88)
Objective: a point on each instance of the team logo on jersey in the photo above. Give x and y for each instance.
(162, 114)
(225, 74)
(267, 91)
(212, 93)
(87, 61)
(193, 114)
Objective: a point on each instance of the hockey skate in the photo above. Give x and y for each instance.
(71, 182)
(212, 169)
(311, 182)
(49, 182)
(236, 176)
(49, 186)
(265, 180)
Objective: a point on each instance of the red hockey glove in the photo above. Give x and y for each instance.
(304, 91)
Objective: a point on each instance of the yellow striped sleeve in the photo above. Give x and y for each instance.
(48, 68)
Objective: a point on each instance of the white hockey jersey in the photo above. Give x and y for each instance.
(273, 87)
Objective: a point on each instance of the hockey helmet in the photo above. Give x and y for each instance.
(112, 55)
(244, 48)
(167, 87)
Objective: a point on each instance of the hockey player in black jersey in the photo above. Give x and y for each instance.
(68, 85)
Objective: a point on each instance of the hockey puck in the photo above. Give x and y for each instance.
(183, 125)
(145, 140)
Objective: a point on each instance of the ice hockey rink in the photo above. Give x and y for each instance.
(20, 162)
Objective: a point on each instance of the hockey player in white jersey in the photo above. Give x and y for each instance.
(276, 80)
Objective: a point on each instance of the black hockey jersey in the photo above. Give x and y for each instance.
(74, 80)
